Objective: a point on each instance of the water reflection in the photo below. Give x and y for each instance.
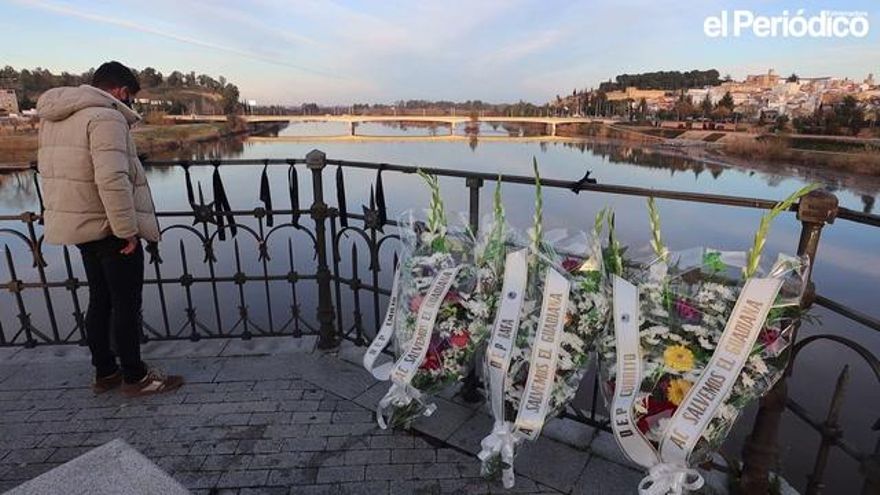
(18, 191)
(868, 202)
(848, 268)
(616, 152)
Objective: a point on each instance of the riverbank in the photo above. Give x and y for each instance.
(863, 160)
(18, 150)
(822, 154)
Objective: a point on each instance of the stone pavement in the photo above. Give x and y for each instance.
(271, 415)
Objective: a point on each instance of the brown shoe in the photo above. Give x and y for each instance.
(107, 383)
(155, 382)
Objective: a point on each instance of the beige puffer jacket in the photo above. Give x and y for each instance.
(93, 182)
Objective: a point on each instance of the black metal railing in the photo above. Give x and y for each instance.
(323, 270)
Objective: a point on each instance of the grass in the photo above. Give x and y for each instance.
(178, 132)
(865, 162)
(599, 130)
(148, 138)
(663, 132)
(839, 146)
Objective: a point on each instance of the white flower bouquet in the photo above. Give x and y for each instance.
(444, 293)
(693, 343)
(551, 308)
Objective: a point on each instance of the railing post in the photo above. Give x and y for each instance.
(470, 387)
(474, 184)
(316, 161)
(761, 451)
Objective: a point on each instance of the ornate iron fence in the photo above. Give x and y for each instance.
(347, 304)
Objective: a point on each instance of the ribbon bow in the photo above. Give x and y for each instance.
(400, 395)
(670, 479)
(501, 442)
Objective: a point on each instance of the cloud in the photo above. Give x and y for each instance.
(245, 17)
(67, 11)
(533, 43)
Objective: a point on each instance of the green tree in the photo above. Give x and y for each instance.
(230, 99)
(177, 108)
(150, 78)
(175, 79)
(780, 124)
(684, 107)
(793, 78)
(24, 102)
(706, 106)
(851, 115)
(726, 102)
(643, 109)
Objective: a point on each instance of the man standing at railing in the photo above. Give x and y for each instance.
(97, 198)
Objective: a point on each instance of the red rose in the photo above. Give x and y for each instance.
(460, 339)
(431, 362)
(657, 409)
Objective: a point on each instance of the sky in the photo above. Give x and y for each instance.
(343, 52)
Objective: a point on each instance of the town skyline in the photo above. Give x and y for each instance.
(344, 53)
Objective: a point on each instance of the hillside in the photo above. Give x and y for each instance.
(176, 93)
(179, 101)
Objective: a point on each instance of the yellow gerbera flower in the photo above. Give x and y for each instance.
(678, 358)
(677, 390)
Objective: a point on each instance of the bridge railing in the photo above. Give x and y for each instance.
(314, 268)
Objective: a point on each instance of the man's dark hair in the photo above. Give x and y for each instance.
(112, 75)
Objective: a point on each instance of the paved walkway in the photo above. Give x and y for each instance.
(270, 415)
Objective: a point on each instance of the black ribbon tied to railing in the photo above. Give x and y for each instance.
(293, 190)
(340, 197)
(266, 194)
(380, 198)
(222, 206)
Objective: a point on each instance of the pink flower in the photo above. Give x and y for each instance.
(452, 297)
(687, 312)
(415, 303)
(768, 336)
(771, 339)
(571, 264)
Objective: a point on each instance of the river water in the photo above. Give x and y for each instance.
(847, 268)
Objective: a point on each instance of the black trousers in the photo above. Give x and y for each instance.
(116, 284)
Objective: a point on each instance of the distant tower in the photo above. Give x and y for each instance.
(870, 80)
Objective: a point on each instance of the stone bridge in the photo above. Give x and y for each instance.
(446, 120)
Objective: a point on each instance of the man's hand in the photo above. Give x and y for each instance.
(130, 245)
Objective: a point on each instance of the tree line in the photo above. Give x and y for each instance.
(668, 80)
(30, 83)
(428, 107)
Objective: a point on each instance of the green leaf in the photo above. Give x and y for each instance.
(754, 255)
(538, 220)
(712, 261)
(436, 212)
(656, 241)
(615, 251)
